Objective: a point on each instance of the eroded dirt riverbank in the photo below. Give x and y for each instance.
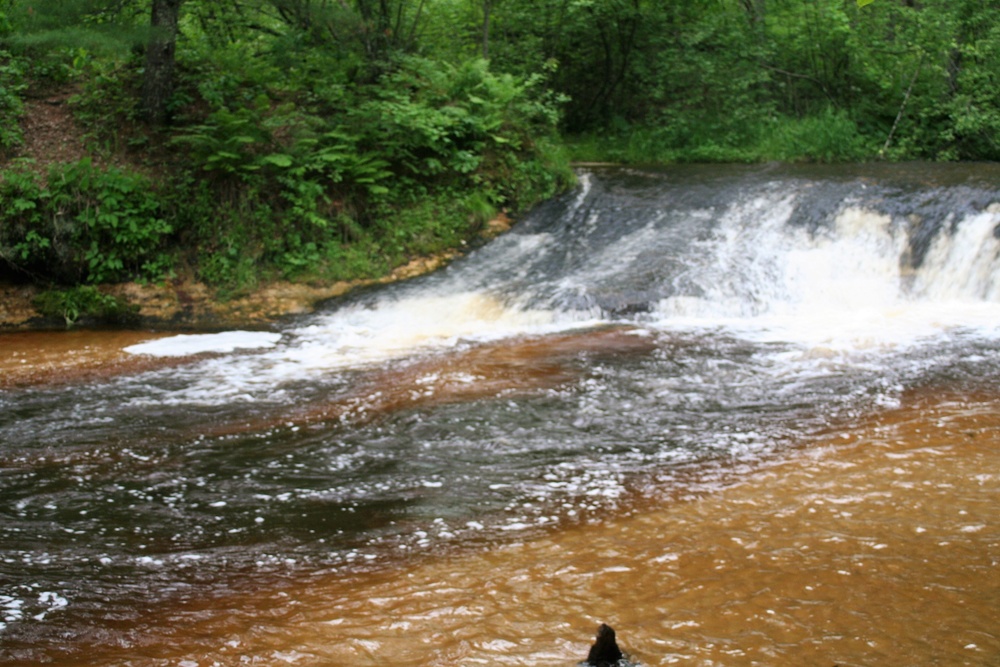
(33, 350)
(186, 304)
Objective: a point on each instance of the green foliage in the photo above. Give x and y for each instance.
(106, 27)
(228, 142)
(53, 36)
(6, 27)
(829, 136)
(309, 142)
(104, 104)
(459, 126)
(228, 236)
(85, 301)
(974, 111)
(695, 81)
(319, 140)
(84, 224)
(12, 87)
(362, 176)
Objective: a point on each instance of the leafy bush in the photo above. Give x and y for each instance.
(83, 225)
(284, 187)
(830, 136)
(974, 112)
(105, 102)
(337, 184)
(228, 142)
(84, 301)
(285, 155)
(458, 124)
(12, 86)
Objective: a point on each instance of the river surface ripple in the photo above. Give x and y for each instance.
(745, 415)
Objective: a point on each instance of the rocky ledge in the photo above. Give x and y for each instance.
(190, 305)
(182, 304)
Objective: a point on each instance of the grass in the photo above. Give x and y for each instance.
(830, 136)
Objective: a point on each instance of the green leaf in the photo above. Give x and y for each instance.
(278, 160)
(862, 3)
(331, 156)
(219, 156)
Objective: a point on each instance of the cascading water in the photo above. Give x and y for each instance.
(652, 332)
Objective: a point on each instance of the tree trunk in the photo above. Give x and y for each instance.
(487, 6)
(158, 81)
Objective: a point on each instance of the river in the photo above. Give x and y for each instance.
(745, 415)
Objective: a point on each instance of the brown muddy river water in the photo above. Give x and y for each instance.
(745, 416)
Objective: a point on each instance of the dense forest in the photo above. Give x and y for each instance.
(241, 141)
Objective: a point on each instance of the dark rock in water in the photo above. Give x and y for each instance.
(605, 651)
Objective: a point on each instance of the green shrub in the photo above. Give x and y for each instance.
(85, 301)
(228, 142)
(227, 235)
(12, 86)
(829, 136)
(83, 225)
(461, 126)
(105, 102)
(410, 166)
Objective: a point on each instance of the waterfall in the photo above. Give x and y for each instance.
(837, 261)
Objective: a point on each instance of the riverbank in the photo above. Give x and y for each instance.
(192, 305)
(178, 305)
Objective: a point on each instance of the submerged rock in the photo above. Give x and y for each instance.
(605, 651)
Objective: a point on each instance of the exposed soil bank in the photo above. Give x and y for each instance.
(37, 350)
(192, 305)
(189, 305)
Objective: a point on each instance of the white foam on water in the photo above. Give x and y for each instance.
(830, 292)
(11, 610)
(52, 601)
(961, 263)
(357, 335)
(434, 318)
(846, 289)
(188, 344)
(354, 336)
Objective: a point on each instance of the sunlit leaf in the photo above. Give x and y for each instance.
(278, 160)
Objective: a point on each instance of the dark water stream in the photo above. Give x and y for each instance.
(627, 361)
